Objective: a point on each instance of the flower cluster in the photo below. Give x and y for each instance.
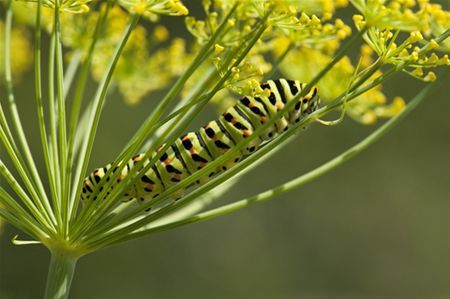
(385, 26)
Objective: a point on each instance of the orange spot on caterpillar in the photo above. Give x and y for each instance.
(137, 158)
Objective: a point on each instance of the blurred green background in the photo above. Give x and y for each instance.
(378, 227)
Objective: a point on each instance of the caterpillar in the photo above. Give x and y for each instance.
(193, 151)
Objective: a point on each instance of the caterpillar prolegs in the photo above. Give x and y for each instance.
(193, 151)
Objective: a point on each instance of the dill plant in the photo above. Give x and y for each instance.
(237, 45)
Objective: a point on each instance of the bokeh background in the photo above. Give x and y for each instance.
(377, 227)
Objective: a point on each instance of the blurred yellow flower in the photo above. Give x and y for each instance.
(20, 46)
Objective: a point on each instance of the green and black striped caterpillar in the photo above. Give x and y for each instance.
(193, 151)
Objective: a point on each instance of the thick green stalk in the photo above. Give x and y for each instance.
(60, 274)
(301, 180)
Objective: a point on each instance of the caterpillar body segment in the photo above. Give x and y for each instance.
(194, 150)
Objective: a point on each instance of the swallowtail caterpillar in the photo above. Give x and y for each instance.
(193, 151)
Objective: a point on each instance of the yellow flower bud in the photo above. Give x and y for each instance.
(430, 77)
(398, 104)
(341, 34)
(433, 44)
(304, 18)
(315, 20)
(218, 49)
(444, 60)
(231, 22)
(359, 21)
(418, 72)
(292, 9)
(327, 16)
(415, 36)
(414, 56)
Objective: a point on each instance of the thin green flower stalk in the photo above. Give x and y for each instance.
(237, 45)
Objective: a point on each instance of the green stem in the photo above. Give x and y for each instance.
(29, 174)
(301, 180)
(131, 227)
(79, 92)
(53, 135)
(149, 125)
(61, 109)
(60, 275)
(71, 71)
(147, 129)
(39, 102)
(95, 113)
(189, 117)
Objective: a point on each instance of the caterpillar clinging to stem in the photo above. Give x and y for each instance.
(193, 151)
